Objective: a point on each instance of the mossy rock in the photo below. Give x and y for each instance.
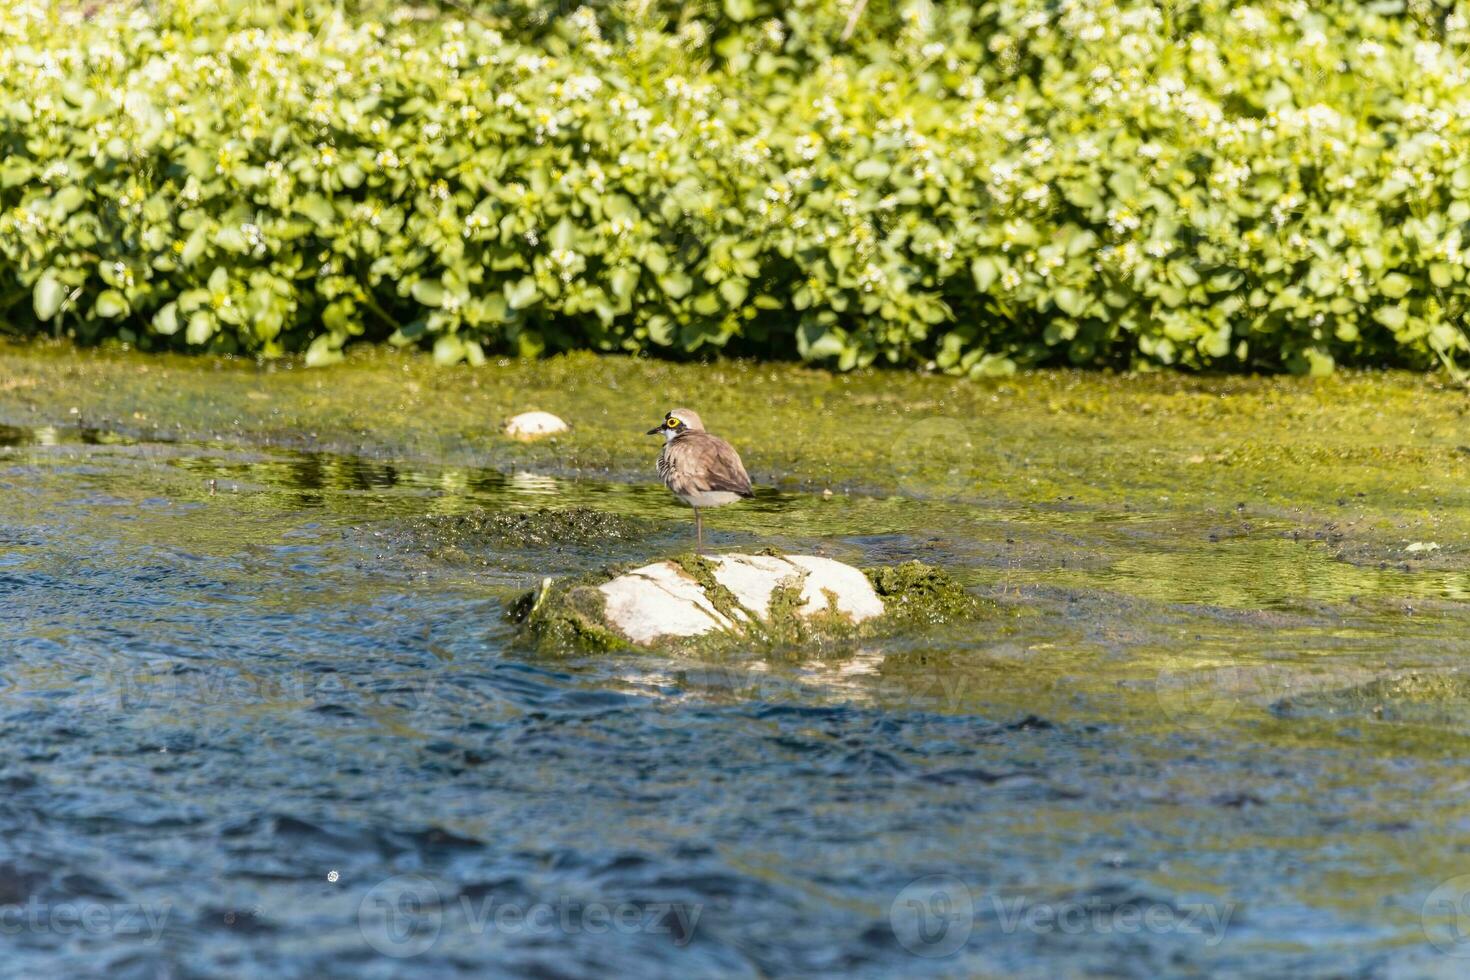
(767, 601)
(920, 594)
(565, 615)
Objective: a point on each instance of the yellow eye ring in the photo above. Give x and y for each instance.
(673, 423)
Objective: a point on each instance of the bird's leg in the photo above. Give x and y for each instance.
(698, 532)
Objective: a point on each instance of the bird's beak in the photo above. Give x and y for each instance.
(654, 431)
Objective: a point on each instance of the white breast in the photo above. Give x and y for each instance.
(709, 498)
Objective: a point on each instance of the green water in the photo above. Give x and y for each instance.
(1221, 689)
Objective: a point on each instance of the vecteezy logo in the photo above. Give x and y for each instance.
(1199, 697)
(938, 456)
(1445, 916)
(401, 916)
(933, 916)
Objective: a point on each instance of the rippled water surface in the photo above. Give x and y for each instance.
(252, 725)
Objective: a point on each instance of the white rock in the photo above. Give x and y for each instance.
(662, 599)
(659, 600)
(752, 579)
(855, 595)
(534, 425)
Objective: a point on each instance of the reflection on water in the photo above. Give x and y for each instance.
(50, 435)
(255, 726)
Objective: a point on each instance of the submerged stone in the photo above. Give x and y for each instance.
(534, 425)
(767, 598)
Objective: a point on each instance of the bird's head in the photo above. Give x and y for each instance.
(677, 422)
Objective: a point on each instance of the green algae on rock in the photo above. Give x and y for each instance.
(768, 601)
(565, 615)
(460, 537)
(918, 594)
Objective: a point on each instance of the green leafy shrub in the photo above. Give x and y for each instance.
(973, 186)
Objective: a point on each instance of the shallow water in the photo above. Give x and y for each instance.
(252, 725)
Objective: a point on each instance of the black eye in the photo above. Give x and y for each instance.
(673, 423)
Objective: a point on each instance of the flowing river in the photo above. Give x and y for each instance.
(261, 713)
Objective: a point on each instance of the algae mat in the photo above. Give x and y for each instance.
(263, 711)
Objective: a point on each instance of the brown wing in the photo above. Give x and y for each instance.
(700, 462)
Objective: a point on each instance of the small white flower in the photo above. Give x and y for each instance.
(475, 222)
(584, 21)
(568, 263)
(872, 277)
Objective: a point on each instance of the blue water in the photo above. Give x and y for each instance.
(257, 729)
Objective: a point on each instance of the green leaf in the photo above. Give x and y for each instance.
(734, 291)
(985, 271)
(617, 206)
(166, 320)
(563, 234)
(495, 309)
(815, 342)
(448, 350)
(1320, 363)
(1080, 242)
(740, 10)
(1392, 317)
(1395, 286)
(656, 260)
(201, 328)
(69, 198)
(324, 350)
(194, 247)
(231, 240)
(198, 163)
(530, 343)
(317, 208)
(522, 293)
(661, 330)
(47, 295)
(15, 171)
(1071, 301)
(1445, 338)
(429, 292)
(1173, 296)
(623, 280)
(676, 284)
(110, 304)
